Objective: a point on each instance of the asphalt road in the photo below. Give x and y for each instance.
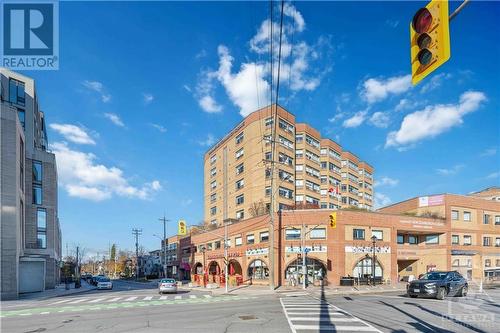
(139, 308)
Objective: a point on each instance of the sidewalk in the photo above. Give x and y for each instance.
(58, 291)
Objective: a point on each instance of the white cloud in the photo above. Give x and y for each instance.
(201, 54)
(73, 133)
(434, 120)
(339, 114)
(355, 120)
(494, 175)
(386, 181)
(403, 104)
(159, 127)
(209, 141)
(81, 176)
(450, 171)
(115, 119)
(248, 86)
(99, 88)
(435, 82)
(148, 98)
(380, 119)
(375, 90)
(489, 152)
(381, 200)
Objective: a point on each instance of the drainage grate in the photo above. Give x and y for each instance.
(247, 317)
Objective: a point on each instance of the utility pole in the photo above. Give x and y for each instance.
(226, 259)
(304, 253)
(165, 243)
(136, 233)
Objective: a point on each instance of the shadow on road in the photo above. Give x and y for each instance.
(324, 314)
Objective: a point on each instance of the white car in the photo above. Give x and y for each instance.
(167, 286)
(104, 283)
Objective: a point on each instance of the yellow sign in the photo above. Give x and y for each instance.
(333, 220)
(429, 39)
(182, 228)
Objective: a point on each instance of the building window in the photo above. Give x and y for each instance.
(16, 92)
(268, 191)
(497, 241)
(486, 219)
(264, 236)
(41, 221)
(286, 193)
(467, 240)
(240, 215)
(358, 234)
(239, 153)
(228, 242)
(467, 216)
(299, 138)
(412, 239)
(41, 241)
(238, 241)
(239, 184)
(401, 239)
(214, 221)
(268, 122)
(240, 199)
(487, 263)
(22, 117)
(213, 197)
(455, 239)
(250, 239)
(239, 138)
(291, 234)
(497, 219)
(37, 171)
(379, 234)
(285, 126)
(299, 153)
(213, 185)
(209, 246)
(431, 239)
(213, 172)
(37, 194)
(213, 159)
(318, 233)
(217, 245)
(258, 270)
(240, 168)
(486, 241)
(213, 210)
(454, 215)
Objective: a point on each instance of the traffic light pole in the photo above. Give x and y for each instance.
(458, 10)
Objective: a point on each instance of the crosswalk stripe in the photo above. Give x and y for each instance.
(178, 297)
(131, 298)
(97, 300)
(192, 296)
(59, 302)
(335, 328)
(207, 296)
(331, 313)
(148, 298)
(163, 297)
(78, 301)
(327, 319)
(113, 299)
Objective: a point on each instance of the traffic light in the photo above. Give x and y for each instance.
(333, 220)
(182, 228)
(429, 39)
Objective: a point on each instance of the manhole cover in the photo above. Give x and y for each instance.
(247, 317)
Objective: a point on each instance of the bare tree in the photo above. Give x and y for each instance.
(257, 208)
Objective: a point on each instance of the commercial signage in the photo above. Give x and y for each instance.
(367, 249)
(221, 255)
(434, 200)
(307, 249)
(256, 252)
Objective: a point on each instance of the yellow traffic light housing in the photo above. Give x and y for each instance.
(182, 228)
(429, 39)
(333, 220)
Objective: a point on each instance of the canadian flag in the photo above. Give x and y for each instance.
(334, 190)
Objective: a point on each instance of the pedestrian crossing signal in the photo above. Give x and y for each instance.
(333, 220)
(182, 228)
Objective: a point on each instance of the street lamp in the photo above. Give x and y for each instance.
(374, 240)
(205, 271)
(162, 244)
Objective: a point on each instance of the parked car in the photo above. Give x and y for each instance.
(167, 286)
(104, 283)
(438, 284)
(95, 278)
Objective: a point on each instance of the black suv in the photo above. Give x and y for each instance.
(438, 284)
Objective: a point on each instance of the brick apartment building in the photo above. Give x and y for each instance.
(312, 171)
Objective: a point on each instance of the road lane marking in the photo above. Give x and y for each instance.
(78, 301)
(331, 312)
(192, 296)
(327, 319)
(163, 297)
(131, 298)
(44, 313)
(59, 302)
(178, 297)
(147, 298)
(113, 299)
(207, 296)
(335, 328)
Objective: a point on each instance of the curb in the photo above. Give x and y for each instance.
(43, 298)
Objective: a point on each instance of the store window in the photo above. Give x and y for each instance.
(412, 239)
(358, 234)
(431, 239)
(258, 270)
(379, 234)
(401, 239)
(291, 234)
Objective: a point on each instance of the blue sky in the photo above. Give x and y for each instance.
(145, 88)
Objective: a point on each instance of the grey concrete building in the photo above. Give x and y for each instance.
(30, 231)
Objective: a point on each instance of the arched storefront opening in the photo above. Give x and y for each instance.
(213, 268)
(364, 269)
(234, 267)
(257, 270)
(198, 268)
(316, 271)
